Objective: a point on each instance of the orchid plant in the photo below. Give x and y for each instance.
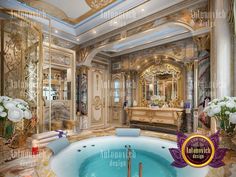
(14, 109)
(224, 110)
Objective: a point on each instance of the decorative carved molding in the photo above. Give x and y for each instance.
(83, 53)
(97, 102)
(189, 66)
(202, 42)
(161, 69)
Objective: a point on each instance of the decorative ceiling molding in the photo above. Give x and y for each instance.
(95, 5)
(158, 30)
(149, 21)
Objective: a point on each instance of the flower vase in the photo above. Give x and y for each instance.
(19, 140)
(226, 140)
(8, 130)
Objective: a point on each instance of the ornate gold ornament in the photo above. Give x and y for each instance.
(97, 102)
(202, 42)
(161, 69)
(98, 4)
(189, 66)
(83, 53)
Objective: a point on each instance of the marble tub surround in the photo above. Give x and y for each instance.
(41, 166)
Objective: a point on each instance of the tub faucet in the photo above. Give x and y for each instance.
(140, 169)
(129, 161)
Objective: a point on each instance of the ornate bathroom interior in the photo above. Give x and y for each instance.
(84, 69)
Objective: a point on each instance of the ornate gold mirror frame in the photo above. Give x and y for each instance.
(161, 69)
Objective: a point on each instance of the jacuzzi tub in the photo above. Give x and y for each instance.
(107, 157)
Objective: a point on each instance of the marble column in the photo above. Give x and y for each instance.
(189, 83)
(221, 53)
(189, 95)
(82, 96)
(195, 105)
(221, 50)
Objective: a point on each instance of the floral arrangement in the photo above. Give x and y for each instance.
(14, 109)
(224, 110)
(157, 101)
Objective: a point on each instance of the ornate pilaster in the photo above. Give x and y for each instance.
(82, 91)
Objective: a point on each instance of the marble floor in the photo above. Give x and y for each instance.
(38, 166)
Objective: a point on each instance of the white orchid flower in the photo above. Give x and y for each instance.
(9, 104)
(3, 114)
(15, 114)
(27, 114)
(232, 118)
(230, 104)
(1, 108)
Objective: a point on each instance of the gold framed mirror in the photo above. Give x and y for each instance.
(163, 80)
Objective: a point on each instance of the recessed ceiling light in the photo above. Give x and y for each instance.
(77, 39)
(115, 22)
(94, 32)
(56, 31)
(142, 10)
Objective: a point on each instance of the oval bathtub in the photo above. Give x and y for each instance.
(107, 157)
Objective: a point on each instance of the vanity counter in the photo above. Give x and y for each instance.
(168, 118)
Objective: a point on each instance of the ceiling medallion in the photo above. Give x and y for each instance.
(98, 4)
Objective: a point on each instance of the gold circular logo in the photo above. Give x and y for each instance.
(198, 151)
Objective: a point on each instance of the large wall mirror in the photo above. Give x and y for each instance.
(163, 80)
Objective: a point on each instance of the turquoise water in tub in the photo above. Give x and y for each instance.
(107, 157)
(113, 163)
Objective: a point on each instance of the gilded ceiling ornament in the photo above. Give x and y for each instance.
(98, 4)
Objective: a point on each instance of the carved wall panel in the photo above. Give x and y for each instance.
(117, 93)
(22, 59)
(96, 98)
